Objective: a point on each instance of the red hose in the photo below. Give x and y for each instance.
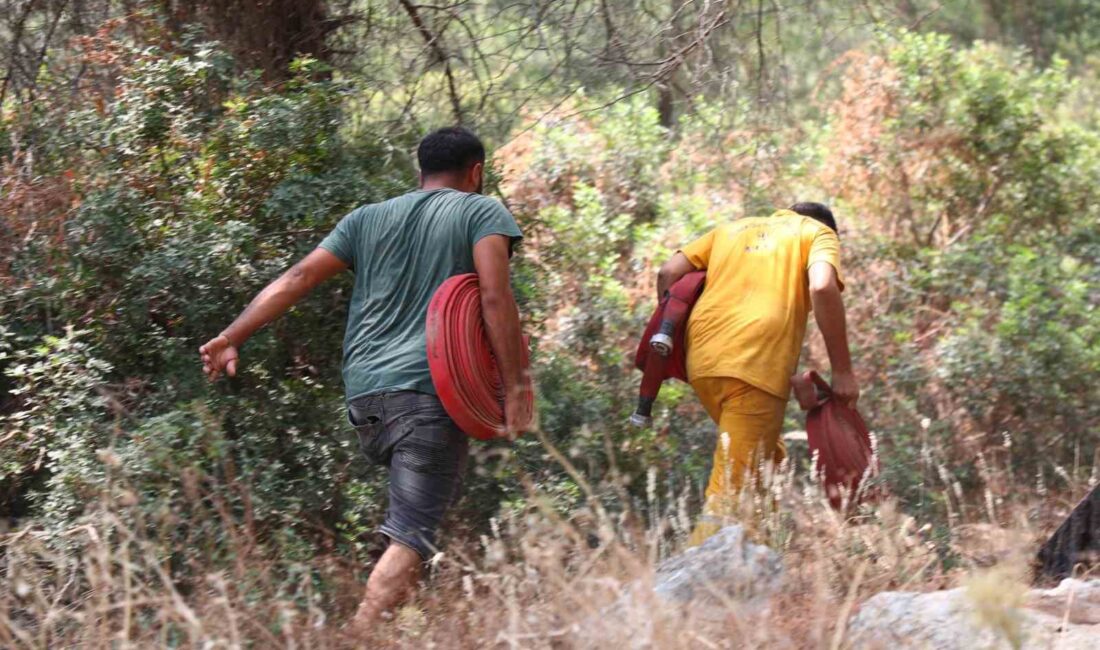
(670, 317)
(461, 360)
(842, 442)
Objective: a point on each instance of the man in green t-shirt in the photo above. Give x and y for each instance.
(401, 251)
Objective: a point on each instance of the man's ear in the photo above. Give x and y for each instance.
(477, 171)
(421, 175)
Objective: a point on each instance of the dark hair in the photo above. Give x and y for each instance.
(817, 211)
(450, 149)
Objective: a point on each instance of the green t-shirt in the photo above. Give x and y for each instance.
(401, 250)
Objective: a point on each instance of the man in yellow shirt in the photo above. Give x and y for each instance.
(764, 276)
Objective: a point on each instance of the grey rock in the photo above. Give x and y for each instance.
(1066, 617)
(724, 571)
(726, 575)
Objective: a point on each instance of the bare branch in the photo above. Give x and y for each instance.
(435, 45)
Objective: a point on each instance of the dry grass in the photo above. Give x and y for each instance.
(538, 580)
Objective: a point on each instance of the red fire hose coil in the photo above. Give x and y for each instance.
(461, 360)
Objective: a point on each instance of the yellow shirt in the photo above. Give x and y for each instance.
(750, 320)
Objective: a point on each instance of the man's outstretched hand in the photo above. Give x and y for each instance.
(219, 355)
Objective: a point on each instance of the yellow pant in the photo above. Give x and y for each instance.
(752, 419)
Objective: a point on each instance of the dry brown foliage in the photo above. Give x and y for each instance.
(538, 580)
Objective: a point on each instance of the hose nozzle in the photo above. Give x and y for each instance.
(661, 342)
(642, 415)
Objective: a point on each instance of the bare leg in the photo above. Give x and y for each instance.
(391, 583)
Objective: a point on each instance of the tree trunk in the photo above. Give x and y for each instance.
(263, 35)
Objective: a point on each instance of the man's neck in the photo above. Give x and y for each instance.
(442, 182)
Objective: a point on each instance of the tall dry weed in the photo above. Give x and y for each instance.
(540, 578)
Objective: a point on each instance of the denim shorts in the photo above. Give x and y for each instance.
(411, 434)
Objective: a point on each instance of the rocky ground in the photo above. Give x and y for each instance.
(729, 573)
(1066, 617)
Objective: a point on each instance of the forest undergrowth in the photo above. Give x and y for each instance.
(537, 579)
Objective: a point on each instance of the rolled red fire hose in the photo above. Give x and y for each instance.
(662, 352)
(839, 437)
(461, 360)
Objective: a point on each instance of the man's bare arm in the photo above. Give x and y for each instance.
(220, 353)
(829, 314)
(675, 268)
(498, 309)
